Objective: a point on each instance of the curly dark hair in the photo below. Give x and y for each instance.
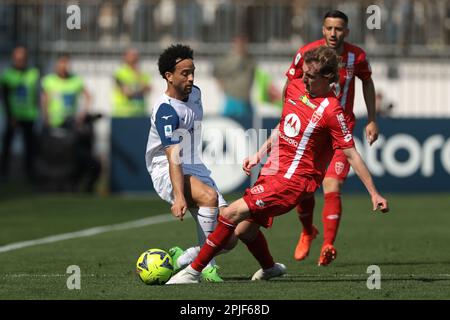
(328, 60)
(168, 59)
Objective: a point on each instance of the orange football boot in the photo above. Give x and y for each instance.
(304, 244)
(327, 255)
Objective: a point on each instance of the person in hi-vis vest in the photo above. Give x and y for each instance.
(61, 92)
(130, 88)
(63, 109)
(19, 87)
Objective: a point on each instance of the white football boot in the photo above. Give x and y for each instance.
(187, 275)
(277, 270)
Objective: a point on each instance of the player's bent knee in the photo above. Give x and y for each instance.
(208, 198)
(332, 185)
(238, 211)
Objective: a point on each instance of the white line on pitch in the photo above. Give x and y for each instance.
(90, 232)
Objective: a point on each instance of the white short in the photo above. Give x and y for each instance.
(163, 186)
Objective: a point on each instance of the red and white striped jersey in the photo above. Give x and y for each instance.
(354, 63)
(310, 129)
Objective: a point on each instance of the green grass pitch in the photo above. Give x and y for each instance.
(410, 245)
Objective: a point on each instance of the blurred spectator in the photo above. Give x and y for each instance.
(131, 87)
(107, 21)
(164, 16)
(19, 86)
(189, 20)
(266, 90)
(66, 122)
(235, 73)
(382, 108)
(60, 95)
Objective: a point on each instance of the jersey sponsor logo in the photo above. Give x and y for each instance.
(168, 131)
(339, 167)
(260, 203)
(257, 189)
(289, 140)
(166, 117)
(291, 71)
(341, 119)
(297, 58)
(292, 125)
(306, 101)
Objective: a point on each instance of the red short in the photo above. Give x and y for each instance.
(275, 195)
(339, 167)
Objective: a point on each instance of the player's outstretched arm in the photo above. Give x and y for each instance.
(253, 160)
(369, 97)
(357, 163)
(179, 206)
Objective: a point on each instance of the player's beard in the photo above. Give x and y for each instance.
(337, 45)
(188, 89)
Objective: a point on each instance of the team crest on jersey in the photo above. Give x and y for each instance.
(316, 117)
(292, 125)
(291, 71)
(257, 189)
(339, 167)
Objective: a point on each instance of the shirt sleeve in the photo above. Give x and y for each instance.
(341, 136)
(166, 122)
(362, 67)
(295, 71)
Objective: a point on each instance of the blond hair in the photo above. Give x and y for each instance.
(327, 60)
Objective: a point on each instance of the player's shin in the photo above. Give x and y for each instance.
(260, 250)
(206, 221)
(331, 216)
(214, 243)
(305, 210)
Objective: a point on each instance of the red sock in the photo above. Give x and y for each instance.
(305, 210)
(331, 216)
(260, 250)
(214, 243)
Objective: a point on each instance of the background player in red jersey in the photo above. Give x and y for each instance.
(311, 122)
(354, 63)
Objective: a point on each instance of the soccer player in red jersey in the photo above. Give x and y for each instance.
(311, 123)
(353, 64)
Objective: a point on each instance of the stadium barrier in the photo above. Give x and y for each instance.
(412, 155)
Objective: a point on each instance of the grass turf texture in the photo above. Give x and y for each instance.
(409, 245)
